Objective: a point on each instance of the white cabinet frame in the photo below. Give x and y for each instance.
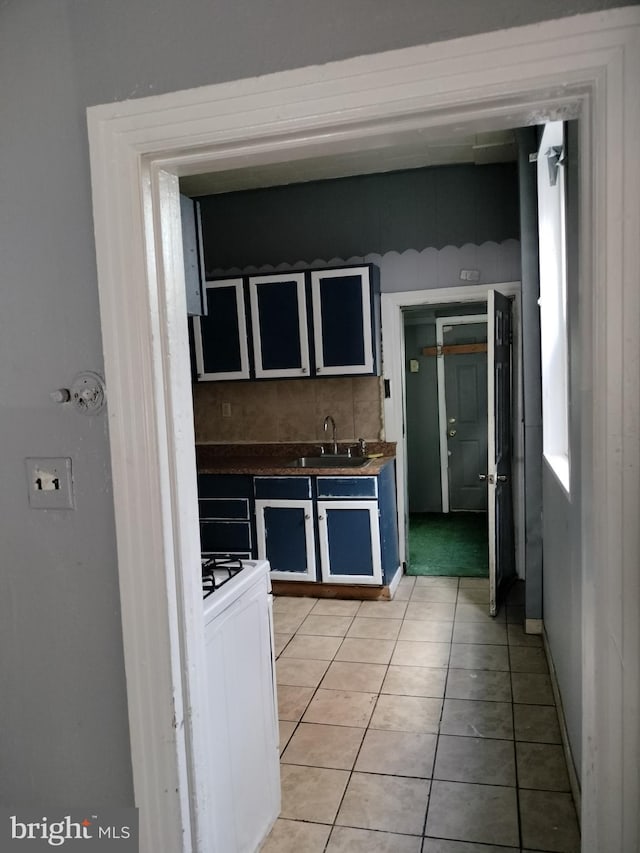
(342, 370)
(243, 373)
(257, 281)
(323, 507)
(261, 536)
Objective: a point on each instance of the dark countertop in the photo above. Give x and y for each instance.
(273, 459)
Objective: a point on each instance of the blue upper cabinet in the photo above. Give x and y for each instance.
(220, 338)
(279, 322)
(344, 320)
(334, 310)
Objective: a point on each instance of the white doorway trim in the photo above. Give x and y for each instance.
(441, 322)
(586, 65)
(393, 305)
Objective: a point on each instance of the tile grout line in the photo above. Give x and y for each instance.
(438, 733)
(515, 749)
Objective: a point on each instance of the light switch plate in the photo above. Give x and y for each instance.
(49, 482)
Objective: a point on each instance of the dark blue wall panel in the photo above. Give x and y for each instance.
(351, 217)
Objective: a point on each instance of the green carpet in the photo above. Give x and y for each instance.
(453, 543)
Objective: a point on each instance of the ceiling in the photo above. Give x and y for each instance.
(495, 146)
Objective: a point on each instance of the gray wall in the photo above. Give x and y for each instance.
(552, 530)
(64, 736)
(562, 593)
(413, 209)
(532, 390)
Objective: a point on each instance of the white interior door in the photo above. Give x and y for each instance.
(502, 567)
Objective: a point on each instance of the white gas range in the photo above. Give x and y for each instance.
(244, 767)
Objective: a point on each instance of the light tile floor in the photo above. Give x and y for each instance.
(420, 725)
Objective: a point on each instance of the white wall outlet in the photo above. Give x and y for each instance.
(50, 484)
(226, 410)
(469, 275)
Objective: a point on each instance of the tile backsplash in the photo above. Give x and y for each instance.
(288, 410)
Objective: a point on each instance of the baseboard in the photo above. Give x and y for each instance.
(331, 590)
(395, 582)
(533, 626)
(574, 781)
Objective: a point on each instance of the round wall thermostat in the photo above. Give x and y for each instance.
(88, 393)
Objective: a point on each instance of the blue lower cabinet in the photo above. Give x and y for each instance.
(285, 537)
(349, 542)
(225, 537)
(225, 503)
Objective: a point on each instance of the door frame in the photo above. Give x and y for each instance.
(584, 66)
(463, 320)
(395, 418)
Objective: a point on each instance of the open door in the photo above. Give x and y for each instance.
(499, 481)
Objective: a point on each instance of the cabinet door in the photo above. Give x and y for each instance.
(221, 337)
(193, 259)
(284, 530)
(279, 320)
(349, 540)
(342, 321)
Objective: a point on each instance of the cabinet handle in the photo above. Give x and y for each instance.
(303, 369)
(321, 518)
(307, 516)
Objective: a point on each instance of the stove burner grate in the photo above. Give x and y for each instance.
(217, 571)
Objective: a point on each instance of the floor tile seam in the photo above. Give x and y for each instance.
(336, 636)
(379, 692)
(477, 737)
(540, 742)
(515, 757)
(371, 829)
(475, 699)
(370, 772)
(478, 784)
(315, 689)
(321, 615)
(506, 848)
(438, 732)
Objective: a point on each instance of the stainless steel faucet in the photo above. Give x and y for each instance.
(326, 427)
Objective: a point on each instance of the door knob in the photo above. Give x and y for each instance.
(501, 478)
(482, 477)
(452, 432)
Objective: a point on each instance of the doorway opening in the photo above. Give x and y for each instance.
(446, 434)
(498, 493)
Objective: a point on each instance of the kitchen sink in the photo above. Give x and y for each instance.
(329, 461)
